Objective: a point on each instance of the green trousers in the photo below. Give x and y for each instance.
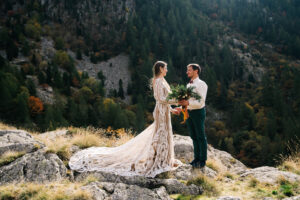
(195, 124)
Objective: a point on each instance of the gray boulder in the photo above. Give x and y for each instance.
(270, 175)
(172, 186)
(293, 198)
(120, 191)
(186, 172)
(52, 135)
(229, 198)
(18, 140)
(183, 146)
(96, 191)
(38, 167)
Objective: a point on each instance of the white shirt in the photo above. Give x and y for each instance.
(201, 89)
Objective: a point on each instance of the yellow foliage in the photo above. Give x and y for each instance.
(249, 106)
(230, 94)
(219, 125)
(107, 102)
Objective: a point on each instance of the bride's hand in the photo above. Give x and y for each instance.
(175, 112)
(178, 109)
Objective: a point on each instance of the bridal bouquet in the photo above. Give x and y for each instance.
(179, 93)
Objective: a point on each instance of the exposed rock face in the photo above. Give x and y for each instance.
(172, 186)
(38, 166)
(52, 135)
(97, 192)
(292, 198)
(270, 175)
(114, 70)
(288, 198)
(45, 94)
(229, 198)
(95, 19)
(183, 146)
(247, 57)
(186, 172)
(47, 48)
(17, 140)
(120, 191)
(252, 66)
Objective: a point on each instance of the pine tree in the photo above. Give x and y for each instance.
(12, 50)
(78, 54)
(21, 107)
(31, 87)
(121, 92)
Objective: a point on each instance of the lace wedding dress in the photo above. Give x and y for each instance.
(148, 154)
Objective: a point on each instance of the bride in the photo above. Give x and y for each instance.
(149, 153)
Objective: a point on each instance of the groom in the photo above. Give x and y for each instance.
(196, 110)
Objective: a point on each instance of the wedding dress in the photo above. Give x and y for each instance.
(148, 154)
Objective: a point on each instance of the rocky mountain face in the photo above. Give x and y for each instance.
(36, 164)
(93, 19)
(114, 70)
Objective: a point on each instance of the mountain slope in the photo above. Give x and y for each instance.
(252, 72)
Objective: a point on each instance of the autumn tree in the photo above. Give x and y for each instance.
(35, 105)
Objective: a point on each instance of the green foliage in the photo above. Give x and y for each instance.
(258, 116)
(33, 29)
(59, 43)
(181, 92)
(78, 54)
(121, 92)
(21, 103)
(62, 59)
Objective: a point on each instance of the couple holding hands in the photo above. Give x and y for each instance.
(152, 151)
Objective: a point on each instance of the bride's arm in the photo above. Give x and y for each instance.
(161, 94)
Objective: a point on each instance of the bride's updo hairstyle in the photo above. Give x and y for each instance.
(157, 66)
(156, 71)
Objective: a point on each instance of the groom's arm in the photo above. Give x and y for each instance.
(201, 89)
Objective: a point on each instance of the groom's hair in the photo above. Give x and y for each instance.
(195, 67)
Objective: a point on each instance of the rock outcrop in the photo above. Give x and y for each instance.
(38, 166)
(183, 146)
(18, 141)
(120, 191)
(114, 70)
(270, 175)
(173, 186)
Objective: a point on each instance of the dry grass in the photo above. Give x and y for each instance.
(50, 191)
(253, 182)
(291, 162)
(83, 138)
(10, 156)
(87, 137)
(6, 127)
(86, 140)
(209, 186)
(89, 179)
(214, 165)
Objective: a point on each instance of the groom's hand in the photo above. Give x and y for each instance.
(175, 112)
(184, 102)
(178, 109)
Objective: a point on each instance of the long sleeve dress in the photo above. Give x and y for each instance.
(148, 154)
